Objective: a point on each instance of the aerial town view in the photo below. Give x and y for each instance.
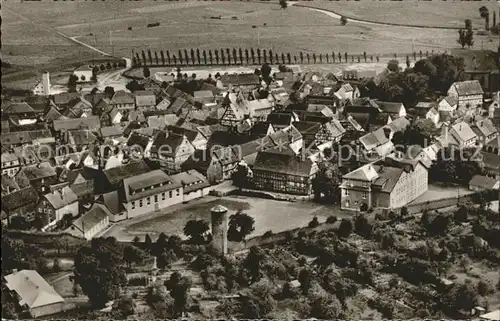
(250, 159)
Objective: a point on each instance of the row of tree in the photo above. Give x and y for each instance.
(247, 56)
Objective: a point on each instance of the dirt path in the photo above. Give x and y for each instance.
(62, 35)
(336, 15)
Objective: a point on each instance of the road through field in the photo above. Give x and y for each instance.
(366, 22)
(72, 39)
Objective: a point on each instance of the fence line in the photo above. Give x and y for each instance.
(240, 56)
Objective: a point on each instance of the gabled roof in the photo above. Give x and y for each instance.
(152, 178)
(172, 141)
(191, 180)
(451, 100)
(483, 181)
(116, 174)
(190, 134)
(84, 68)
(374, 139)
(112, 201)
(122, 97)
(388, 177)
(42, 170)
(398, 124)
(364, 173)
(64, 98)
(335, 128)
(18, 108)
(90, 122)
(282, 160)
(24, 137)
(32, 289)
(240, 79)
(485, 127)
(390, 107)
(52, 114)
(284, 119)
(111, 131)
(469, 87)
(463, 131)
(19, 198)
(59, 199)
(203, 94)
(92, 218)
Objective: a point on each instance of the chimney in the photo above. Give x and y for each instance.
(14, 271)
(460, 127)
(381, 169)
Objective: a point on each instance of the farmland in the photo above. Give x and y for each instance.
(30, 29)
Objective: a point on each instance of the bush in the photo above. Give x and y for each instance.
(345, 228)
(484, 288)
(268, 234)
(331, 219)
(314, 222)
(57, 265)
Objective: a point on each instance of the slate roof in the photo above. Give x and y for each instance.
(92, 218)
(283, 161)
(177, 105)
(451, 100)
(32, 289)
(138, 139)
(19, 198)
(469, 87)
(52, 114)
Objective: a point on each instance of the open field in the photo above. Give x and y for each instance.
(30, 29)
(272, 215)
(447, 14)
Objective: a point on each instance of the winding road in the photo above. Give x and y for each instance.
(335, 15)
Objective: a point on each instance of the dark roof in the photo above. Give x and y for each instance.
(23, 137)
(173, 141)
(42, 170)
(52, 114)
(122, 97)
(138, 139)
(112, 201)
(284, 119)
(117, 174)
(260, 129)
(19, 198)
(64, 98)
(190, 134)
(83, 189)
(390, 107)
(240, 79)
(483, 181)
(80, 137)
(178, 104)
(469, 87)
(282, 161)
(18, 108)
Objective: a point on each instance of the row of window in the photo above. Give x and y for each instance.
(155, 198)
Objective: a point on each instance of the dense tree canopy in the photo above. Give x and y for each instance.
(99, 271)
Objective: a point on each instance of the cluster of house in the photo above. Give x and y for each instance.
(79, 161)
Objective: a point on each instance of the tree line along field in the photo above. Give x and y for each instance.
(120, 28)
